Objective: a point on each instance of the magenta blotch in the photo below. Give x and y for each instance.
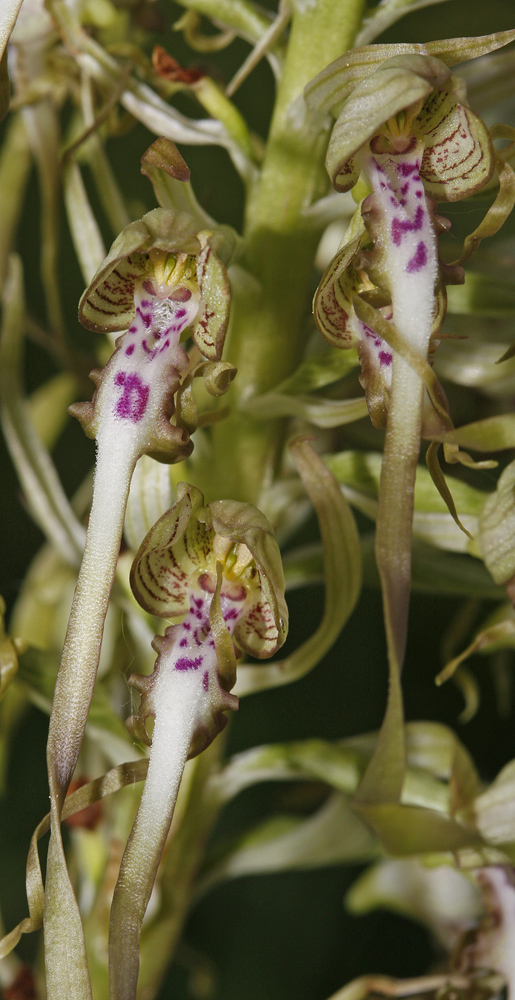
(184, 664)
(133, 401)
(419, 259)
(146, 317)
(405, 169)
(402, 226)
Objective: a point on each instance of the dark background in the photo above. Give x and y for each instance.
(280, 937)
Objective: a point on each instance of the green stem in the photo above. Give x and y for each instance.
(384, 777)
(66, 962)
(270, 306)
(396, 499)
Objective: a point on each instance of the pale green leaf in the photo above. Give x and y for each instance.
(493, 812)
(342, 572)
(48, 406)
(334, 835)
(484, 293)
(492, 434)
(336, 764)
(47, 501)
(313, 409)
(84, 229)
(436, 571)
(498, 632)
(497, 528)
(359, 473)
(317, 371)
(15, 161)
(477, 362)
(362, 470)
(441, 898)
(337, 80)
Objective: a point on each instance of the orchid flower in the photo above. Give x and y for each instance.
(160, 278)
(404, 140)
(219, 567)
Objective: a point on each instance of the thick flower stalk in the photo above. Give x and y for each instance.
(159, 279)
(404, 140)
(220, 567)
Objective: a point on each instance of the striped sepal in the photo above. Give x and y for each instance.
(170, 557)
(332, 305)
(459, 157)
(210, 327)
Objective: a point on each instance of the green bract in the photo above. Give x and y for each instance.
(108, 302)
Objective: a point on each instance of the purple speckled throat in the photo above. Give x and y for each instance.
(195, 642)
(150, 340)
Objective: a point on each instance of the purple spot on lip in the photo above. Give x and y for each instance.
(405, 188)
(130, 349)
(419, 259)
(180, 313)
(232, 613)
(402, 226)
(146, 317)
(418, 194)
(133, 401)
(385, 358)
(205, 681)
(132, 329)
(183, 642)
(184, 664)
(405, 169)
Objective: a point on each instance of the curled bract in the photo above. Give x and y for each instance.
(164, 254)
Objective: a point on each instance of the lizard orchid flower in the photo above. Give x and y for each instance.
(160, 278)
(404, 140)
(217, 566)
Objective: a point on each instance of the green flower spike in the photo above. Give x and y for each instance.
(219, 567)
(160, 278)
(404, 139)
